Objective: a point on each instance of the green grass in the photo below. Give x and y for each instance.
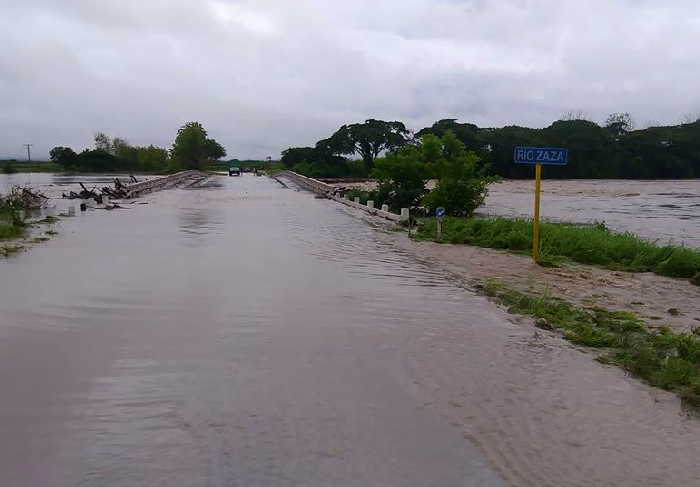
(587, 244)
(11, 225)
(33, 166)
(10, 231)
(662, 358)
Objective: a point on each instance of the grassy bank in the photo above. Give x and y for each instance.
(29, 166)
(662, 358)
(587, 244)
(10, 231)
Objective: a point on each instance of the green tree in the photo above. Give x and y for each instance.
(467, 133)
(462, 184)
(367, 139)
(192, 147)
(296, 155)
(64, 157)
(103, 142)
(214, 150)
(152, 158)
(97, 160)
(402, 176)
(618, 124)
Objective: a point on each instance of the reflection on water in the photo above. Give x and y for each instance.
(199, 221)
(254, 335)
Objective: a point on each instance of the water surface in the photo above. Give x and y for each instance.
(245, 334)
(663, 210)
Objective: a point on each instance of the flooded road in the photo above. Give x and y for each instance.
(250, 335)
(241, 335)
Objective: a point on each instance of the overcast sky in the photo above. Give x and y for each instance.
(263, 75)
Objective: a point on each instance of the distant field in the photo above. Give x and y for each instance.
(31, 166)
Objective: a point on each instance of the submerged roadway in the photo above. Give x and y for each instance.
(246, 334)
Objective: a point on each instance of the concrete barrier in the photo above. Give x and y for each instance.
(329, 191)
(137, 189)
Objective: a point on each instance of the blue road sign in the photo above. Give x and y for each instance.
(440, 212)
(554, 156)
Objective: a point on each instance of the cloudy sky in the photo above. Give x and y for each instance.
(263, 75)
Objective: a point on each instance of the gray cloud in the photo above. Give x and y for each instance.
(262, 75)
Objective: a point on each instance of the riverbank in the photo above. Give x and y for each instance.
(585, 244)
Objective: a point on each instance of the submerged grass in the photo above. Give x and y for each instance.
(11, 225)
(49, 220)
(587, 244)
(662, 358)
(10, 231)
(6, 250)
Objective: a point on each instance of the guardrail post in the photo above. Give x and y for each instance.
(370, 204)
(357, 200)
(385, 208)
(404, 215)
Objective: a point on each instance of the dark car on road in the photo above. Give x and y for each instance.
(234, 171)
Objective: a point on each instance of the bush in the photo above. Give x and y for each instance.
(402, 176)
(462, 185)
(681, 262)
(458, 197)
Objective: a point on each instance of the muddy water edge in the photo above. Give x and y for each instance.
(247, 334)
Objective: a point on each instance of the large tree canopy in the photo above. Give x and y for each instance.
(297, 155)
(192, 147)
(613, 150)
(367, 139)
(64, 156)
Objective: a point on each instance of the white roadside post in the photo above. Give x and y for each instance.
(370, 204)
(385, 208)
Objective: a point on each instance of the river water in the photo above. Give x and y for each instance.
(666, 211)
(246, 334)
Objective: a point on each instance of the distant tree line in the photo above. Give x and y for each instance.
(192, 149)
(366, 140)
(611, 150)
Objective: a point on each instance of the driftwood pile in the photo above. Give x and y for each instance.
(119, 191)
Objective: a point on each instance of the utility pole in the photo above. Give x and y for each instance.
(29, 151)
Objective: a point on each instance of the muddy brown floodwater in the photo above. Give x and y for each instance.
(246, 334)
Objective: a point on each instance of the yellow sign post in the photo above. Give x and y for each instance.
(536, 219)
(553, 156)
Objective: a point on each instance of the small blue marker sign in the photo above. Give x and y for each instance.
(553, 156)
(440, 212)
